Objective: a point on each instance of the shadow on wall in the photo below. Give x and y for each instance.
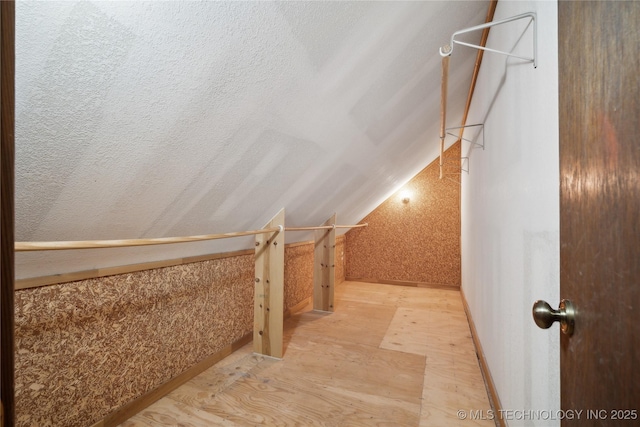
(415, 240)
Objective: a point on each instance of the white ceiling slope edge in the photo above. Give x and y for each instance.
(156, 119)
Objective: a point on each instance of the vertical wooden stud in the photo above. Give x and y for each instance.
(324, 267)
(7, 168)
(269, 290)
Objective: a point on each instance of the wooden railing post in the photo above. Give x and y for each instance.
(324, 267)
(269, 290)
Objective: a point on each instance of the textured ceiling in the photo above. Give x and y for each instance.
(154, 119)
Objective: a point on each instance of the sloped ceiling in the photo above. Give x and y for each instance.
(154, 119)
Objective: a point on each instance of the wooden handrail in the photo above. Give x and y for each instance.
(324, 227)
(95, 244)
(353, 226)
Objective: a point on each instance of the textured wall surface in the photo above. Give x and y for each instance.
(298, 274)
(298, 271)
(340, 259)
(86, 348)
(170, 118)
(417, 241)
(511, 212)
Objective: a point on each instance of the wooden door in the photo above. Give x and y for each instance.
(599, 81)
(7, 31)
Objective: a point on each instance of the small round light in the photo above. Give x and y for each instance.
(405, 196)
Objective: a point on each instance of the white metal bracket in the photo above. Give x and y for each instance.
(471, 141)
(448, 49)
(464, 161)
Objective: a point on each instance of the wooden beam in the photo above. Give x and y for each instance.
(269, 290)
(7, 170)
(476, 69)
(96, 244)
(443, 108)
(324, 267)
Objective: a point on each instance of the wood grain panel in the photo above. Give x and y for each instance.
(324, 267)
(599, 59)
(7, 168)
(269, 290)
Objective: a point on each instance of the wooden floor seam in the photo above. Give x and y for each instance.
(388, 355)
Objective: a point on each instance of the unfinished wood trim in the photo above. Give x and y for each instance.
(443, 108)
(476, 69)
(296, 308)
(7, 173)
(324, 267)
(404, 283)
(294, 245)
(97, 244)
(136, 406)
(494, 399)
(321, 227)
(268, 303)
(352, 226)
(55, 279)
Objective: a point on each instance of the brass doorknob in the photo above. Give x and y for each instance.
(544, 315)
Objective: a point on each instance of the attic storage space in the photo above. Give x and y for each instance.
(143, 120)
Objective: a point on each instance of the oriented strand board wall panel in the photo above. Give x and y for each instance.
(417, 241)
(298, 274)
(86, 348)
(340, 259)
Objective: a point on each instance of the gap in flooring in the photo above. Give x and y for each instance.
(388, 356)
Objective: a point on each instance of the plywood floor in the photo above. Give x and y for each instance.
(389, 356)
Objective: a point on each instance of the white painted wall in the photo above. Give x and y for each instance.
(171, 118)
(510, 213)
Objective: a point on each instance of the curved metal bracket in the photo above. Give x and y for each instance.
(447, 50)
